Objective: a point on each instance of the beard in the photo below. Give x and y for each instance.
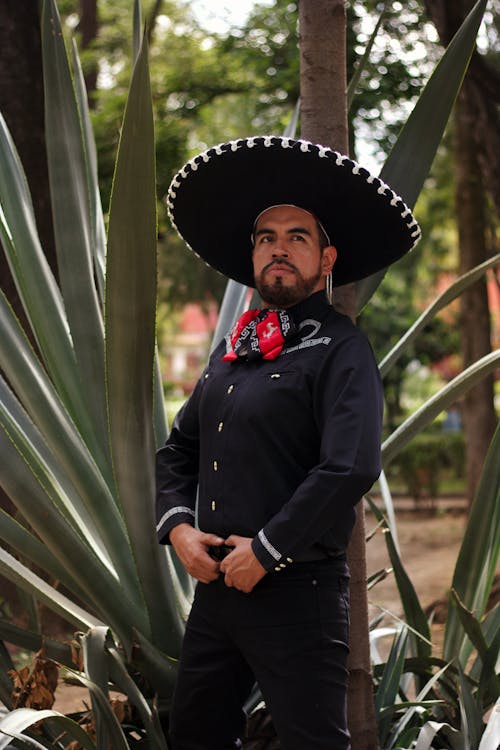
(277, 294)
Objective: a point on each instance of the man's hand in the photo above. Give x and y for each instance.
(241, 568)
(192, 546)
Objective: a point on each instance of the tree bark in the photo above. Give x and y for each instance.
(88, 28)
(322, 49)
(477, 166)
(478, 411)
(21, 104)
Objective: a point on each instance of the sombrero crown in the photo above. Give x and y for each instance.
(215, 198)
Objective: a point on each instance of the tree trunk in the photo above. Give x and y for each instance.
(21, 104)
(478, 411)
(477, 166)
(88, 28)
(322, 42)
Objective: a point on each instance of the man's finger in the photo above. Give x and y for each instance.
(212, 540)
(233, 540)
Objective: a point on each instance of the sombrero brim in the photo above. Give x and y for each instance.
(215, 198)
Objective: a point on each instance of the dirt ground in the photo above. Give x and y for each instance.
(429, 544)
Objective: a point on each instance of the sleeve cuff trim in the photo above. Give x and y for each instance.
(268, 546)
(172, 512)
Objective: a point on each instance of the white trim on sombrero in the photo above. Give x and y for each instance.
(323, 151)
(354, 171)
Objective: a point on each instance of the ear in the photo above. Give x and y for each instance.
(328, 259)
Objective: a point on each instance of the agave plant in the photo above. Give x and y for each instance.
(81, 415)
(453, 700)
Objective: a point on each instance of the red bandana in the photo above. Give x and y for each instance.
(258, 334)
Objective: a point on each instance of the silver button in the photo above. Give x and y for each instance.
(282, 565)
(220, 426)
(277, 569)
(206, 375)
(276, 375)
(216, 466)
(230, 389)
(289, 560)
(213, 504)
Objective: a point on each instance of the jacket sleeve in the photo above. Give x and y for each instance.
(177, 466)
(348, 407)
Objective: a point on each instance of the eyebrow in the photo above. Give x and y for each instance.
(292, 230)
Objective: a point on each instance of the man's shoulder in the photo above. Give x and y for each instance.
(341, 328)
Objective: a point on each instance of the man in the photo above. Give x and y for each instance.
(282, 433)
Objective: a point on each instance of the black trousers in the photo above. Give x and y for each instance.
(291, 635)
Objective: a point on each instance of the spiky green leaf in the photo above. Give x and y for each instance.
(478, 556)
(73, 228)
(424, 128)
(130, 348)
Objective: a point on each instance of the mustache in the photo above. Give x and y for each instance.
(279, 263)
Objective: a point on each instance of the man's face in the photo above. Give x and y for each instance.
(288, 262)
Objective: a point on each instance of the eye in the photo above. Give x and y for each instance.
(297, 238)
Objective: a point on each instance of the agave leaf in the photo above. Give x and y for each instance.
(491, 735)
(36, 285)
(181, 581)
(35, 390)
(137, 30)
(353, 83)
(149, 716)
(385, 492)
(490, 628)
(25, 543)
(376, 635)
(470, 624)
(73, 230)
(401, 725)
(398, 439)
(234, 303)
(103, 707)
(102, 588)
(476, 562)
(22, 741)
(159, 668)
(488, 679)
(291, 128)
(25, 639)
(23, 718)
(379, 575)
(429, 731)
(471, 718)
(96, 670)
(29, 581)
(388, 688)
(98, 231)
(159, 414)
(414, 614)
(130, 346)
(453, 291)
(68, 500)
(424, 128)
(41, 401)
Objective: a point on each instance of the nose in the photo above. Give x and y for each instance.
(279, 250)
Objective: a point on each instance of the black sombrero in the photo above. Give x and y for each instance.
(215, 198)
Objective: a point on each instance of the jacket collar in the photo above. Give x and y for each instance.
(316, 306)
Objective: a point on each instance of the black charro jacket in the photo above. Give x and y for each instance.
(282, 449)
